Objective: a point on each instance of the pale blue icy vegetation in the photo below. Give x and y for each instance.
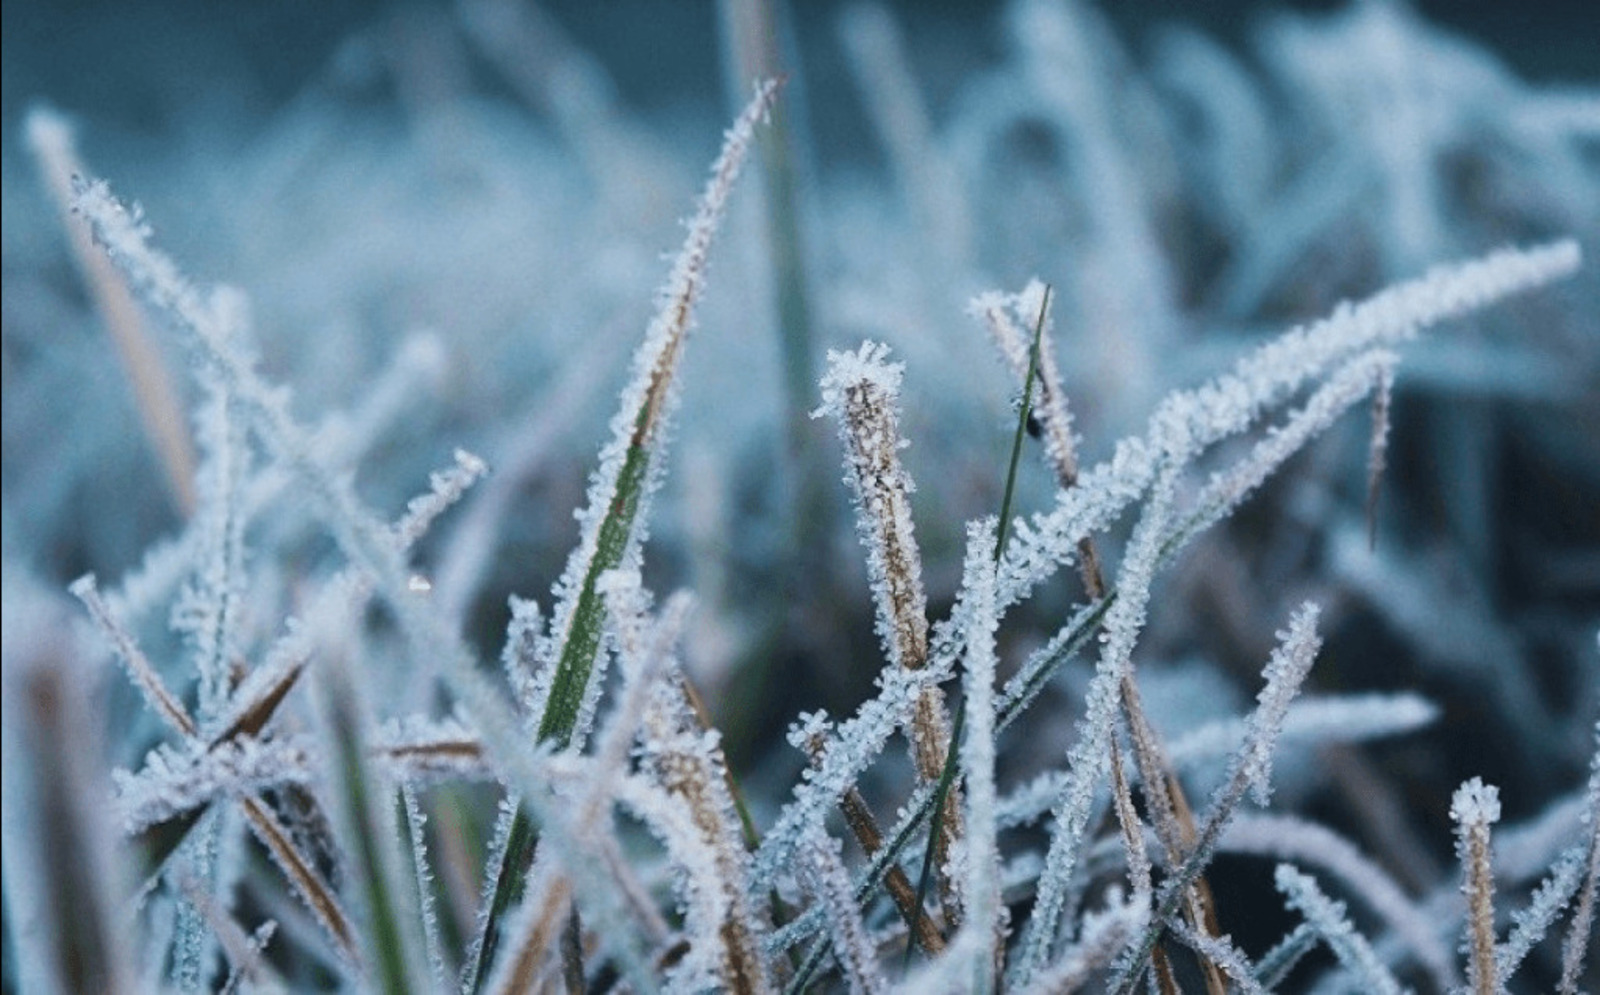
(1283, 674)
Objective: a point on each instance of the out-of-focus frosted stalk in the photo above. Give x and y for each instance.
(50, 139)
(63, 908)
(753, 35)
(1328, 918)
(877, 58)
(369, 832)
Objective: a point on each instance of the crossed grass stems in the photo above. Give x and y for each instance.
(612, 539)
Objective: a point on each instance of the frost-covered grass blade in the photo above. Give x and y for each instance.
(612, 525)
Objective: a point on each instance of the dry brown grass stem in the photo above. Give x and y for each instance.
(700, 778)
(297, 867)
(302, 875)
(526, 970)
(160, 411)
(872, 433)
(1169, 808)
(864, 826)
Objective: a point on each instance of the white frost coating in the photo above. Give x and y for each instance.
(358, 532)
(1577, 939)
(985, 915)
(647, 401)
(207, 608)
(867, 366)
(161, 569)
(1026, 684)
(194, 947)
(1229, 403)
(415, 822)
(822, 865)
(1327, 917)
(1104, 935)
(280, 667)
(810, 922)
(1330, 719)
(494, 861)
(253, 965)
(645, 648)
(446, 487)
(1378, 448)
(1088, 759)
(417, 749)
(1308, 844)
(1183, 424)
(847, 751)
(529, 774)
(1030, 800)
(601, 880)
(1220, 950)
(862, 391)
(1285, 672)
(346, 592)
(1038, 547)
(160, 700)
(1251, 767)
(1010, 318)
(363, 538)
(1475, 807)
(1529, 924)
(1191, 419)
(210, 324)
(686, 760)
(1349, 383)
(646, 652)
(343, 438)
(311, 889)
(1475, 804)
(175, 780)
(706, 897)
(520, 656)
(1276, 963)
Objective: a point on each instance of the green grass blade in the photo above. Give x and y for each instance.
(1021, 430)
(572, 671)
(655, 366)
(948, 775)
(589, 618)
(388, 966)
(1009, 709)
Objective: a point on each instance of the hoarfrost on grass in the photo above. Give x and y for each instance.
(283, 573)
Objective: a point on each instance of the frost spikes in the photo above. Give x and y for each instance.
(862, 390)
(1327, 918)
(612, 526)
(50, 139)
(612, 523)
(1475, 807)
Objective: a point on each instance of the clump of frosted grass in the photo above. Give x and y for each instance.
(429, 827)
